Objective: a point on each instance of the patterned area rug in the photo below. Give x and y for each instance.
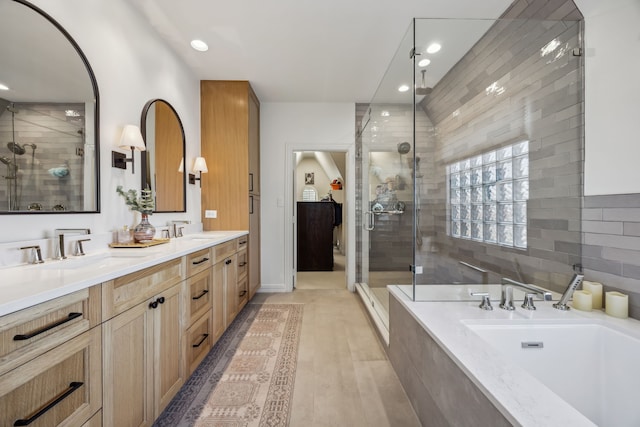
(247, 378)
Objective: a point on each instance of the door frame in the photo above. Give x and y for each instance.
(348, 208)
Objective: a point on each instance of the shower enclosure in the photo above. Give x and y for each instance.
(42, 150)
(470, 160)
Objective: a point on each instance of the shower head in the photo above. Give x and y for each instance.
(16, 148)
(7, 161)
(404, 147)
(423, 89)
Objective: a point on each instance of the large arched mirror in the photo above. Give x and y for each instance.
(163, 161)
(48, 116)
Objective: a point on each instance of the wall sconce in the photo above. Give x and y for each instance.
(199, 165)
(181, 166)
(131, 139)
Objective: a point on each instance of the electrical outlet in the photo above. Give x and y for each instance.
(210, 214)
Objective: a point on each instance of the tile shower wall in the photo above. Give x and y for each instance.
(56, 130)
(611, 244)
(388, 246)
(507, 89)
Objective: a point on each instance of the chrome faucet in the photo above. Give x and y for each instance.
(564, 299)
(506, 302)
(37, 259)
(60, 233)
(177, 231)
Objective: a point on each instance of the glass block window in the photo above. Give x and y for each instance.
(487, 196)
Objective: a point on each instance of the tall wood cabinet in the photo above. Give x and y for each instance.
(230, 120)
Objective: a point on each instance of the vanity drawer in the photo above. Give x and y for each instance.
(200, 294)
(243, 265)
(28, 333)
(224, 250)
(242, 242)
(243, 292)
(199, 341)
(198, 261)
(123, 293)
(60, 387)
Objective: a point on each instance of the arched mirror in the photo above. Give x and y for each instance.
(48, 116)
(163, 162)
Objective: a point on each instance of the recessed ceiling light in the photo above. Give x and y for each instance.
(199, 45)
(424, 62)
(403, 88)
(434, 47)
(3, 87)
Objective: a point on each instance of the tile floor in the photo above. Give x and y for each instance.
(344, 377)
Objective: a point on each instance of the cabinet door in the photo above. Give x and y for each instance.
(128, 368)
(231, 288)
(217, 313)
(254, 247)
(254, 143)
(168, 367)
(60, 387)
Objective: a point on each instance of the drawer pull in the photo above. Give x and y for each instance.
(204, 338)
(72, 387)
(242, 264)
(205, 259)
(243, 293)
(155, 303)
(244, 242)
(204, 292)
(228, 262)
(32, 334)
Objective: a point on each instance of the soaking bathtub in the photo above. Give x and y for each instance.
(539, 368)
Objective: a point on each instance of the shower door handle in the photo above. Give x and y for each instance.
(371, 221)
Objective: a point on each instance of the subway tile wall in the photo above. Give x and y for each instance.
(611, 244)
(507, 89)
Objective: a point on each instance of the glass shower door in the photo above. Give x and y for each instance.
(386, 178)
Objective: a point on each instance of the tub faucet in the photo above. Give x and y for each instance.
(60, 232)
(506, 302)
(564, 299)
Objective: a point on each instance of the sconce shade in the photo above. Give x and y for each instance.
(200, 165)
(131, 139)
(181, 166)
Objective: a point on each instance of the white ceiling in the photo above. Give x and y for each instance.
(301, 50)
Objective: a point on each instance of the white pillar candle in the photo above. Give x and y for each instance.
(582, 300)
(596, 293)
(617, 304)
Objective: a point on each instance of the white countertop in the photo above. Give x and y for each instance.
(520, 397)
(27, 285)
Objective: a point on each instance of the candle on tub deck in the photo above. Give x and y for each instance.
(596, 293)
(582, 300)
(617, 304)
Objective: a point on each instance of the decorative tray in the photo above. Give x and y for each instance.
(139, 245)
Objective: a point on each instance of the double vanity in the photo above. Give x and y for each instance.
(108, 339)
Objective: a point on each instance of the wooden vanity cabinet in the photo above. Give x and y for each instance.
(142, 366)
(60, 387)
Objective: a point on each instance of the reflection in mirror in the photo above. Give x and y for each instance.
(163, 162)
(48, 116)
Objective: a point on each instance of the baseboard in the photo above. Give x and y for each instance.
(272, 288)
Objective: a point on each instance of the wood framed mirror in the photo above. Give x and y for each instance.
(163, 163)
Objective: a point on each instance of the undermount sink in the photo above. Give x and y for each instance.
(205, 236)
(94, 261)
